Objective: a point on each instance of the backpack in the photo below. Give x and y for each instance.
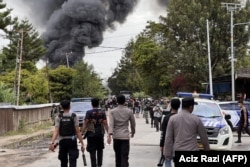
(95, 127)
(67, 125)
(157, 112)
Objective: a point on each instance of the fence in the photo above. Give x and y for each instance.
(12, 117)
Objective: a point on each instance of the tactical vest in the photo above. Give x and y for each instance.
(67, 125)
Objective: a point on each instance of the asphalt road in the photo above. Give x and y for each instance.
(144, 151)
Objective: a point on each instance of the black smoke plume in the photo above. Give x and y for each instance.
(72, 25)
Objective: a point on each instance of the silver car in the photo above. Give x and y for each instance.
(80, 109)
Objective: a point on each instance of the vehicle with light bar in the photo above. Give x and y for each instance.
(219, 133)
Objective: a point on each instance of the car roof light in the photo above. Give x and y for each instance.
(195, 95)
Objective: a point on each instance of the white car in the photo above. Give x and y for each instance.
(219, 133)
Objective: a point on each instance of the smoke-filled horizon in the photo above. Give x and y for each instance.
(72, 25)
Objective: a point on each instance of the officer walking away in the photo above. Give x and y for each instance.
(67, 129)
(183, 129)
(175, 105)
(119, 120)
(243, 124)
(95, 123)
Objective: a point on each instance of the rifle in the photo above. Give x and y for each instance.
(161, 160)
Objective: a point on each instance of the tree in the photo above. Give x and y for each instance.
(36, 86)
(187, 31)
(6, 94)
(175, 49)
(126, 76)
(9, 81)
(5, 18)
(24, 34)
(60, 80)
(86, 83)
(180, 41)
(147, 58)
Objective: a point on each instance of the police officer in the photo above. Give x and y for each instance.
(67, 129)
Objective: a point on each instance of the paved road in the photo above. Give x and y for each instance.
(144, 151)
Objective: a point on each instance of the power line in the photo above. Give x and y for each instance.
(118, 36)
(105, 51)
(113, 47)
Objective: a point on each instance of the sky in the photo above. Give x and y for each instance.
(103, 58)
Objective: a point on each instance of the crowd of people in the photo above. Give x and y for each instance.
(150, 109)
(178, 131)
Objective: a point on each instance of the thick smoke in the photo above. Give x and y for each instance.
(73, 24)
(41, 10)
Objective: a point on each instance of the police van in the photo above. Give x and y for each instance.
(219, 133)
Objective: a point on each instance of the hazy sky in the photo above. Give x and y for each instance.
(104, 60)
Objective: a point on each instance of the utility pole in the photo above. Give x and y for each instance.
(19, 67)
(16, 70)
(47, 76)
(231, 7)
(67, 58)
(209, 61)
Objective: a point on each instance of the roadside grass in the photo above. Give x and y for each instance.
(27, 129)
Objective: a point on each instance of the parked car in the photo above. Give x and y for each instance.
(232, 108)
(219, 133)
(80, 109)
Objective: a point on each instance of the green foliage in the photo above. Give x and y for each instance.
(60, 81)
(33, 86)
(171, 55)
(5, 18)
(21, 125)
(86, 83)
(126, 76)
(24, 36)
(36, 86)
(6, 94)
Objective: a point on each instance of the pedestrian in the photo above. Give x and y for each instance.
(53, 113)
(157, 117)
(146, 111)
(151, 113)
(67, 130)
(243, 124)
(182, 131)
(137, 108)
(94, 124)
(175, 105)
(119, 120)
